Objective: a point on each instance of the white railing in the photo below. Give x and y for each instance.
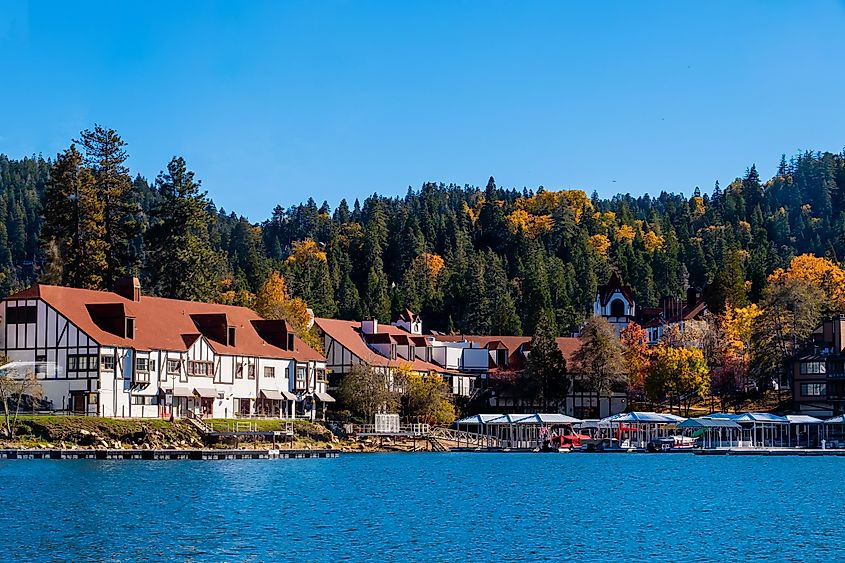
(470, 439)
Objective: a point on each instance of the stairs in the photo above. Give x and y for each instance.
(436, 446)
(201, 427)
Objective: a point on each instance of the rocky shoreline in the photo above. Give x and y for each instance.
(86, 434)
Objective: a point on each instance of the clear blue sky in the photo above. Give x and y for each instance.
(271, 103)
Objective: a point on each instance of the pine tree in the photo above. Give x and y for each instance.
(545, 371)
(106, 157)
(536, 299)
(74, 223)
(307, 272)
(184, 265)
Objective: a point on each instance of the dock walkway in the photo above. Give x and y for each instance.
(772, 452)
(198, 454)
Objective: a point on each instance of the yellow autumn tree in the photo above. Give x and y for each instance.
(735, 328)
(635, 353)
(427, 399)
(600, 243)
(825, 274)
(653, 242)
(304, 251)
(625, 233)
(578, 202)
(532, 225)
(681, 374)
(274, 302)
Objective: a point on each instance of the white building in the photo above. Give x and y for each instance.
(388, 347)
(121, 354)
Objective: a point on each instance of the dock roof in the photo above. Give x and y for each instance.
(704, 422)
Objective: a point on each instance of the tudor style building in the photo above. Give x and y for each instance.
(121, 354)
(474, 367)
(818, 372)
(615, 302)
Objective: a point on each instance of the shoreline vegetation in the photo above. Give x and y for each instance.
(91, 433)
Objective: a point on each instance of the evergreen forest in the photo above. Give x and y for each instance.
(473, 259)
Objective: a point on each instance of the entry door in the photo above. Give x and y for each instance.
(243, 408)
(78, 403)
(207, 406)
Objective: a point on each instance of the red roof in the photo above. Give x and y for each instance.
(163, 324)
(348, 334)
(514, 344)
(672, 311)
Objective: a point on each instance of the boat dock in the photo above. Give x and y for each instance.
(198, 454)
(772, 452)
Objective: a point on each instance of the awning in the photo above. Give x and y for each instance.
(206, 392)
(288, 395)
(802, 419)
(272, 395)
(549, 418)
(706, 422)
(182, 392)
(325, 397)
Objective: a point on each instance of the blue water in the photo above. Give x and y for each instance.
(426, 507)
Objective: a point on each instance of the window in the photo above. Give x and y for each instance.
(321, 376)
(79, 362)
(393, 351)
(239, 371)
(250, 371)
(144, 400)
(40, 366)
(142, 364)
(21, 315)
(617, 308)
(813, 367)
(204, 369)
(269, 371)
(174, 367)
(230, 336)
(501, 358)
(813, 389)
(300, 377)
(412, 352)
(107, 362)
(130, 327)
(290, 342)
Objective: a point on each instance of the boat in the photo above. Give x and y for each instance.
(671, 443)
(566, 441)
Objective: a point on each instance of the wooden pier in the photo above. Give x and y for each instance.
(199, 454)
(773, 452)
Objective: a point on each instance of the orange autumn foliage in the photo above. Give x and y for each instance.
(820, 272)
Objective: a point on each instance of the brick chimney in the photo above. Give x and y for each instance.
(692, 297)
(129, 287)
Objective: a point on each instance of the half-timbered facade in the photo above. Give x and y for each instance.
(121, 354)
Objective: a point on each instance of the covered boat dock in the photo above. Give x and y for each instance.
(516, 430)
(714, 432)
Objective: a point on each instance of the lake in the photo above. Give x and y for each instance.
(426, 507)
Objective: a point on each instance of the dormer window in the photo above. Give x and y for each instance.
(230, 336)
(130, 327)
